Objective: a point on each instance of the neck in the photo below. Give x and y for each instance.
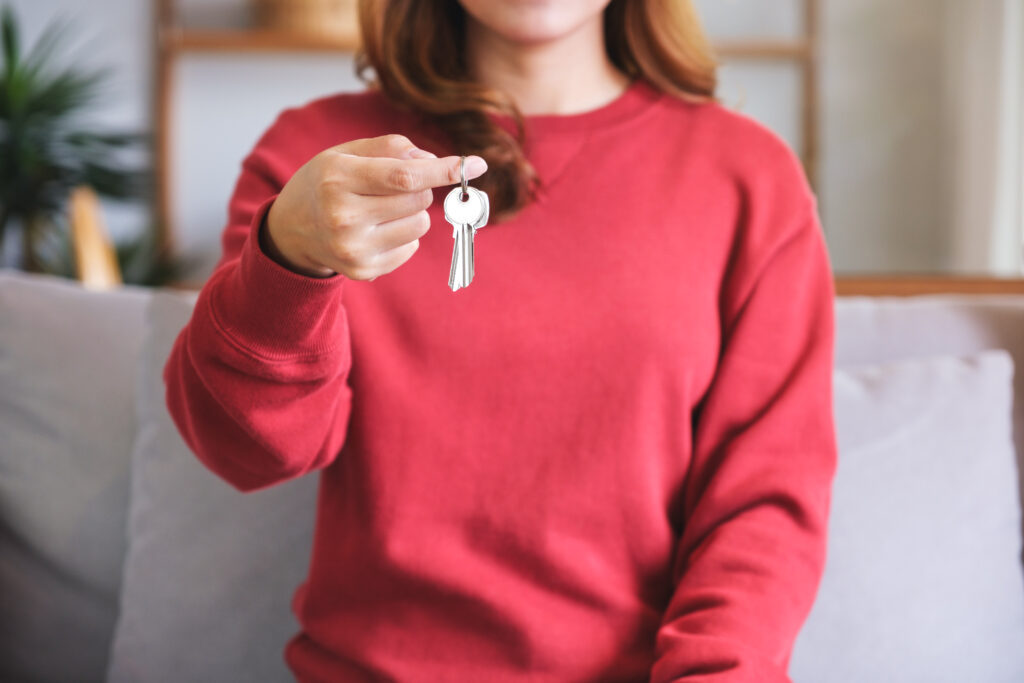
(565, 76)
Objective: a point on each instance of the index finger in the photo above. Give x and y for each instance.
(385, 175)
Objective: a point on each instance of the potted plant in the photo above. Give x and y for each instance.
(45, 152)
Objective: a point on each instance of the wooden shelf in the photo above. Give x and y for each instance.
(896, 284)
(257, 40)
(766, 49)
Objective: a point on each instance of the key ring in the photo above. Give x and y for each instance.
(462, 172)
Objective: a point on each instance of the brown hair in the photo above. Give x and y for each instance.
(417, 50)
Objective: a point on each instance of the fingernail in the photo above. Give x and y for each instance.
(417, 153)
(475, 165)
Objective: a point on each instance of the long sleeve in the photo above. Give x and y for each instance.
(256, 381)
(757, 495)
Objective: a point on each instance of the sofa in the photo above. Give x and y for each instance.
(123, 559)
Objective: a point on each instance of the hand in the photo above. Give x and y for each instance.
(359, 208)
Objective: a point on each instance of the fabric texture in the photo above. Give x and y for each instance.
(209, 571)
(609, 458)
(67, 364)
(924, 579)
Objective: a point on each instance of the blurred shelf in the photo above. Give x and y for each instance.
(257, 40)
(764, 49)
(896, 284)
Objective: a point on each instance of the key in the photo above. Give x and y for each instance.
(466, 218)
(468, 210)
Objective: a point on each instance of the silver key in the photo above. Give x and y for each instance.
(466, 216)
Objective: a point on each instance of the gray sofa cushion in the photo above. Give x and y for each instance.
(210, 571)
(923, 579)
(67, 364)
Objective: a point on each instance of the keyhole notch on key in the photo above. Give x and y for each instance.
(464, 197)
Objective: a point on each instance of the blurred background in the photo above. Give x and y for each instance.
(126, 121)
(908, 115)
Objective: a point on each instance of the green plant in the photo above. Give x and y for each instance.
(46, 151)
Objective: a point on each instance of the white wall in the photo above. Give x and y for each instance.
(986, 129)
(883, 186)
(886, 200)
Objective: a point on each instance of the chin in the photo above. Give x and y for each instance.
(533, 21)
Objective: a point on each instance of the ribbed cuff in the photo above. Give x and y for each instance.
(274, 312)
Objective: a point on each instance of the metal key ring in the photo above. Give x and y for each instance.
(462, 172)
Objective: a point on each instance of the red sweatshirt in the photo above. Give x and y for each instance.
(608, 459)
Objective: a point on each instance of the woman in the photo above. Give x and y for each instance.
(610, 457)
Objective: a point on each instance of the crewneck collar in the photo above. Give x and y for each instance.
(638, 96)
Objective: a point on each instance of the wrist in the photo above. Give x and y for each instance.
(273, 251)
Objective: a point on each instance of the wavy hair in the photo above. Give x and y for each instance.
(416, 50)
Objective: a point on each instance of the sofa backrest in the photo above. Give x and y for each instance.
(81, 347)
(67, 420)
